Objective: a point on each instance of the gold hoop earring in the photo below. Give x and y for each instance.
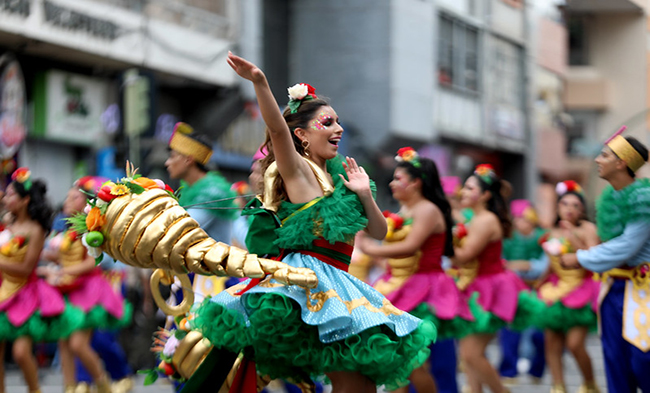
(305, 147)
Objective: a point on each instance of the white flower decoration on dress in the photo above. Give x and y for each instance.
(298, 91)
(94, 252)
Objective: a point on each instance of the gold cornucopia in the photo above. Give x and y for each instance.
(151, 230)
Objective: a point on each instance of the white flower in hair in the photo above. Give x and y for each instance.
(298, 91)
(561, 188)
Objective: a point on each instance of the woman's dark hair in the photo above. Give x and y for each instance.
(497, 203)
(638, 146)
(432, 191)
(305, 113)
(584, 207)
(39, 208)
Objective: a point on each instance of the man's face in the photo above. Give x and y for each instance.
(177, 164)
(608, 163)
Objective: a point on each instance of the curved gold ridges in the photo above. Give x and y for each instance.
(150, 230)
(160, 276)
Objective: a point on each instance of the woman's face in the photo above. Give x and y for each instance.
(471, 195)
(323, 133)
(74, 202)
(570, 208)
(402, 184)
(12, 200)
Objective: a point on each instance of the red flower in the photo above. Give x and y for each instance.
(310, 90)
(168, 188)
(20, 240)
(104, 194)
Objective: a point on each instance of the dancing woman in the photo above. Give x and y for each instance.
(84, 286)
(572, 294)
(30, 309)
(416, 281)
(342, 328)
(483, 275)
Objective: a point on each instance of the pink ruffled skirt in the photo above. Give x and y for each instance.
(35, 295)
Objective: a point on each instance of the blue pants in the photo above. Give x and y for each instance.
(626, 366)
(104, 342)
(509, 341)
(443, 362)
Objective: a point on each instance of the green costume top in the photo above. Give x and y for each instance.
(211, 187)
(615, 209)
(520, 247)
(336, 217)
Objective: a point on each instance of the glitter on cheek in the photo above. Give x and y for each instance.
(318, 123)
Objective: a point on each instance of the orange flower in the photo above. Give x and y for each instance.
(95, 220)
(146, 183)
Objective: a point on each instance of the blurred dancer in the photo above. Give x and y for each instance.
(623, 217)
(84, 286)
(524, 255)
(482, 272)
(206, 195)
(419, 235)
(30, 309)
(572, 294)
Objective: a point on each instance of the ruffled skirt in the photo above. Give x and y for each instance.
(101, 305)
(295, 333)
(434, 296)
(577, 308)
(39, 311)
(506, 300)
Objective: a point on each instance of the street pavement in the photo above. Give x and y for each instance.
(52, 382)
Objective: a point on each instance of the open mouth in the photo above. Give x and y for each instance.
(334, 141)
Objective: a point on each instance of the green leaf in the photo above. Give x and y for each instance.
(103, 208)
(99, 259)
(78, 223)
(151, 377)
(180, 334)
(134, 188)
(294, 105)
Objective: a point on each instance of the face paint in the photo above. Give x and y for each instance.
(321, 122)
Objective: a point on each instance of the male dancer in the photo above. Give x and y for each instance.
(623, 218)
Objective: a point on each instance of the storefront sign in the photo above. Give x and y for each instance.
(68, 107)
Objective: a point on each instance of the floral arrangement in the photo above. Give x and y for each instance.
(485, 172)
(408, 154)
(10, 243)
(298, 93)
(164, 346)
(394, 222)
(459, 232)
(90, 222)
(557, 246)
(568, 186)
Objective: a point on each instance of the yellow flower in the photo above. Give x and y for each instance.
(119, 189)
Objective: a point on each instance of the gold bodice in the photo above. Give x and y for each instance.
(401, 268)
(12, 283)
(568, 280)
(70, 254)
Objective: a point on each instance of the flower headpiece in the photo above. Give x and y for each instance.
(568, 186)
(523, 208)
(241, 188)
(298, 93)
(485, 172)
(23, 176)
(90, 184)
(408, 154)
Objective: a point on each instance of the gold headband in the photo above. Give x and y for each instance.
(185, 145)
(624, 150)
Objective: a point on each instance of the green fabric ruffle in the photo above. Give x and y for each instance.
(292, 349)
(458, 327)
(211, 187)
(529, 307)
(98, 317)
(560, 318)
(337, 217)
(39, 328)
(615, 209)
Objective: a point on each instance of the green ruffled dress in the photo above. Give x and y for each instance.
(341, 325)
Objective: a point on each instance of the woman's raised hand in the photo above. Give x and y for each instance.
(358, 180)
(245, 68)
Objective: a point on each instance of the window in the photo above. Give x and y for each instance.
(507, 73)
(458, 48)
(578, 54)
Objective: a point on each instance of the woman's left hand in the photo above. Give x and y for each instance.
(358, 180)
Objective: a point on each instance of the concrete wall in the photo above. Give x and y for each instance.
(343, 49)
